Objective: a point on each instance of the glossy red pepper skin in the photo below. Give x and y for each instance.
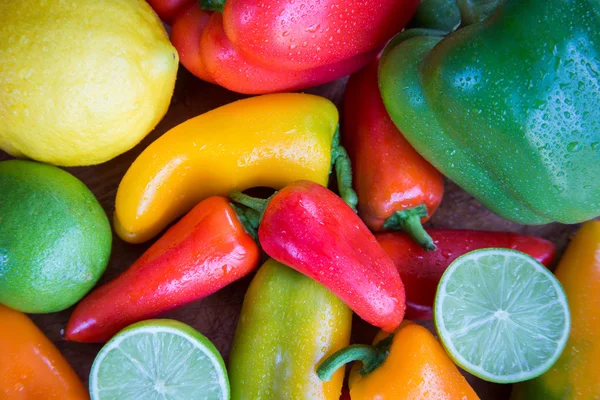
(327, 40)
(304, 34)
(232, 69)
(421, 270)
(389, 175)
(307, 227)
(202, 253)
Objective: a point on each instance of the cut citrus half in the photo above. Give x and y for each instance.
(501, 315)
(159, 360)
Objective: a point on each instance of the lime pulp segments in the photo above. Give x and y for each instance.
(159, 360)
(501, 315)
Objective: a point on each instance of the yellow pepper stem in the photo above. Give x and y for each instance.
(343, 169)
(370, 356)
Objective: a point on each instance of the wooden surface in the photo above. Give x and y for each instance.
(216, 316)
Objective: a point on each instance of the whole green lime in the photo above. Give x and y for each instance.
(55, 238)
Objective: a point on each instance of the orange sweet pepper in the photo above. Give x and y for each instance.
(410, 364)
(31, 367)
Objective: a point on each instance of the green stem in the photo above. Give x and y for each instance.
(371, 358)
(343, 170)
(410, 222)
(254, 203)
(212, 5)
(249, 218)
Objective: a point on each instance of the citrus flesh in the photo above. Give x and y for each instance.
(501, 315)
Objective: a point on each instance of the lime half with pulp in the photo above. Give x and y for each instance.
(501, 315)
(159, 360)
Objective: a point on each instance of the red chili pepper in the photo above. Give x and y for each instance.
(307, 227)
(258, 47)
(205, 251)
(421, 271)
(397, 189)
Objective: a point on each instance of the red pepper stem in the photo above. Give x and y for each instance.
(343, 169)
(254, 203)
(409, 221)
(212, 5)
(249, 218)
(371, 358)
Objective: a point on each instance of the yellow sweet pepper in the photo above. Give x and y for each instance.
(267, 141)
(408, 365)
(576, 374)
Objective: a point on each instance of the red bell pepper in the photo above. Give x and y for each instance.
(421, 271)
(202, 253)
(258, 47)
(308, 228)
(397, 189)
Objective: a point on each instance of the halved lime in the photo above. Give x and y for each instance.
(501, 315)
(159, 359)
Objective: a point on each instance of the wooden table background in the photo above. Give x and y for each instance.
(216, 316)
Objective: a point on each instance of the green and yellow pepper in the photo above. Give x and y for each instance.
(288, 325)
(268, 141)
(508, 107)
(576, 374)
(408, 365)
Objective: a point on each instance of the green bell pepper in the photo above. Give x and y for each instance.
(508, 108)
(288, 325)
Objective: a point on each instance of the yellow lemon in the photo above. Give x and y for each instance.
(81, 81)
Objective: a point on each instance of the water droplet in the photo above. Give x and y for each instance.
(596, 146)
(574, 147)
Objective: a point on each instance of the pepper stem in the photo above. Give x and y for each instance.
(212, 5)
(249, 218)
(371, 358)
(343, 170)
(410, 222)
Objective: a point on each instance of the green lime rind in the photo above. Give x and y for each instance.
(159, 359)
(501, 315)
(55, 238)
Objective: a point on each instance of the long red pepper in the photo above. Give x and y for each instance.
(397, 188)
(203, 252)
(421, 271)
(307, 227)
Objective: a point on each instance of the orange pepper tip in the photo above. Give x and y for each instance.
(370, 356)
(409, 221)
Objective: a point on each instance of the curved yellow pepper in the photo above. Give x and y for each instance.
(576, 374)
(267, 141)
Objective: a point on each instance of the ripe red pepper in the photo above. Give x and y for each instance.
(202, 253)
(421, 271)
(397, 189)
(307, 227)
(254, 47)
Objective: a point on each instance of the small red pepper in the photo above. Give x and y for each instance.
(255, 47)
(202, 253)
(397, 188)
(421, 271)
(308, 228)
